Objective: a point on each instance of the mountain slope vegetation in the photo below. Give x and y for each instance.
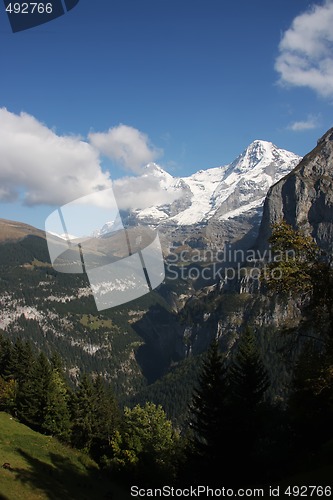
(41, 468)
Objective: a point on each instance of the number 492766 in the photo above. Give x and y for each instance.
(29, 8)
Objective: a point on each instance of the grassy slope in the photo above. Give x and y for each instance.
(42, 468)
(13, 231)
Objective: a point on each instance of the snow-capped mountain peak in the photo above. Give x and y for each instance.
(260, 154)
(153, 172)
(256, 152)
(224, 202)
(222, 192)
(152, 169)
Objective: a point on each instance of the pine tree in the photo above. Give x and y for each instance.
(57, 362)
(248, 383)
(206, 402)
(226, 413)
(57, 415)
(105, 420)
(6, 355)
(82, 406)
(34, 389)
(209, 418)
(33, 393)
(247, 375)
(22, 361)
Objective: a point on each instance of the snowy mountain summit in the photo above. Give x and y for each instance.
(220, 193)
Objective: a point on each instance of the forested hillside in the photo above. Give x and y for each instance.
(231, 414)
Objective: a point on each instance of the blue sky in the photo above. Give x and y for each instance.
(188, 84)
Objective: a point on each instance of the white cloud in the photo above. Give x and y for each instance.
(127, 146)
(43, 167)
(310, 123)
(142, 192)
(306, 51)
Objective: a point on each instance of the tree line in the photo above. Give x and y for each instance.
(231, 421)
(34, 389)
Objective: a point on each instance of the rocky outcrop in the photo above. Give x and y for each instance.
(304, 197)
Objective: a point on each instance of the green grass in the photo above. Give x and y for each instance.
(94, 323)
(43, 468)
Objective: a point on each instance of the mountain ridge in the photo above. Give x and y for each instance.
(252, 173)
(11, 230)
(139, 342)
(213, 206)
(218, 206)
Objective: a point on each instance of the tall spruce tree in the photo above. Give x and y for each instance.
(82, 406)
(6, 356)
(208, 415)
(248, 382)
(106, 419)
(33, 393)
(22, 361)
(227, 413)
(57, 415)
(247, 374)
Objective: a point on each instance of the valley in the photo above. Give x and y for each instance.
(142, 345)
(151, 351)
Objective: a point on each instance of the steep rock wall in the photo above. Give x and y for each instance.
(304, 198)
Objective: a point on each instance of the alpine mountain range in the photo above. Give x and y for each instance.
(218, 205)
(274, 343)
(137, 344)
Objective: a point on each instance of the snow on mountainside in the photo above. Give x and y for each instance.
(223, 192)
(217, 205)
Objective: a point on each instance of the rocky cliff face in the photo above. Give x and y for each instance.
(304, 197)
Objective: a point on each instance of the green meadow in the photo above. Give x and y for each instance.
(43, 468)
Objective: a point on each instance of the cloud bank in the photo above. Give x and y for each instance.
(306, 51)
(146, 191)
(43, 167)
(127, 146)
(38, 167)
